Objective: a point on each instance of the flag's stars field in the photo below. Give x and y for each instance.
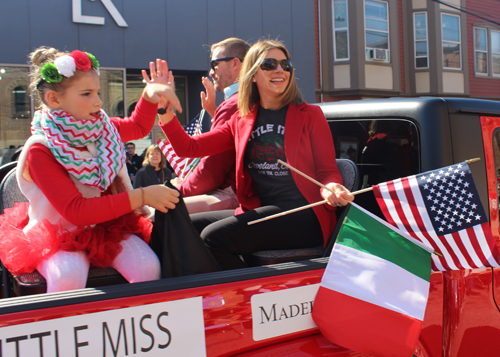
(452, 202)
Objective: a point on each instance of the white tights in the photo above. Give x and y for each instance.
(69, 270)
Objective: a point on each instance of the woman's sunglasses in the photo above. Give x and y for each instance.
(270, 64)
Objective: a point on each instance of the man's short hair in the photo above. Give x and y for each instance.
(232, 47)
(130, 143)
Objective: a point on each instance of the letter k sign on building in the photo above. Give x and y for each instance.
(97, 20)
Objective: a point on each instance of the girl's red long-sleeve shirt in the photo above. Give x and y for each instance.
(55, 183)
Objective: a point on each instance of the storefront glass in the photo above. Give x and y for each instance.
(15, 109)
(135, 86)
(112, 90)
(16, 105)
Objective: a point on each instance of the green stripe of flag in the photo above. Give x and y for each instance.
(365, 232)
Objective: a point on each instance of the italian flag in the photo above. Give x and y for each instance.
(374, 290)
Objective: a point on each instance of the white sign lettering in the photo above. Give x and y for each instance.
(97, 20)
(282, 312)
(174, 328)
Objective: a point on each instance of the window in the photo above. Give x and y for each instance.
(21, 103)
(377, 30)
(421, 44)
(496, 153)
(340, 30)
(112, 89)
(383, 149)
(450, 25)
(486, 51)
(180, 83)
(481, 50)
(495, 52)
(15, 107)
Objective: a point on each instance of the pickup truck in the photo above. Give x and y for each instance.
(266, 310)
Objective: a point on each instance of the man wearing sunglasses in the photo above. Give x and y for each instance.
(211, 185)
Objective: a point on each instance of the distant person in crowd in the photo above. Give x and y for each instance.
(154, 170)
(273, 123)
(211, 185)
(82, 208)
(18, 151)
(7, 156)
(134, 161)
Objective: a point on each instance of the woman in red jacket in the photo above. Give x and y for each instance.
(269, 104)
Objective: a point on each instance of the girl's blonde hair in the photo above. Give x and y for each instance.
(150, 149)
(249, 93)
(38, 86)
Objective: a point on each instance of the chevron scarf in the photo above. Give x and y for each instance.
(65, 135)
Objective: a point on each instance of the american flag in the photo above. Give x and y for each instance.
(193, 128)
(441, 208)
(182, 166)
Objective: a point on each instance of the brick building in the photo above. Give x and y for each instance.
(384, 48)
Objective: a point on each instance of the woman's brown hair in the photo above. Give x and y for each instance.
(249, 93)
(150, 149)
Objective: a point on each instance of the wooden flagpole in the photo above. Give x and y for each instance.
(300, 208)
(304, 175)
(320, 202)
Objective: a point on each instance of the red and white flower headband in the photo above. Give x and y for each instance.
(67, 65)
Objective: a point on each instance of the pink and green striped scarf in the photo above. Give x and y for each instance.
(66, 134)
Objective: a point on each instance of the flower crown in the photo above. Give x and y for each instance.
(67, 65)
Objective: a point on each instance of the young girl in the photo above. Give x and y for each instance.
(82, 207)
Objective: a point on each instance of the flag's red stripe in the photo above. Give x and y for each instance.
(404, 219)
(399, 209)
(461, 247)
(388, 217)
(383, 205)
(419, 222)
(474, 239)
(432, 236)
(363, 327)
(415, 214)
(421, 226)
(175, 161)
(451, 253)
(489, 240)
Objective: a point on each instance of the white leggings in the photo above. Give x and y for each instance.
(69, 270)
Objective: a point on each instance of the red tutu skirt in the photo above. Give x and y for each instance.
(22, 253)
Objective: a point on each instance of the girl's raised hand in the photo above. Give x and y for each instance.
(162, 94)
(160, 86)
(160, 74)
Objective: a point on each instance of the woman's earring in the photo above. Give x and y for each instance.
(253, 79)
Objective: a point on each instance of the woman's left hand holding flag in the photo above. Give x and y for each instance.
(336, 194)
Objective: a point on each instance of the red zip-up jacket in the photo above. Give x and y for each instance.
(308, 147)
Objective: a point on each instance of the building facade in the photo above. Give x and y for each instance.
(384, 48)
(125, 35)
